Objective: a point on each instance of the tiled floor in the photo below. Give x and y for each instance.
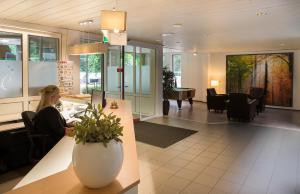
(257, 157)
(249, 158)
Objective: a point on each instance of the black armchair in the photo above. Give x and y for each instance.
(259, 95)
(37, 140)
(241, 107)
(216, 101)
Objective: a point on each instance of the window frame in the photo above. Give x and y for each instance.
(25, 100)
(173, 55)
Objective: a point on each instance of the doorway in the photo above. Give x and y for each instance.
(139, 78)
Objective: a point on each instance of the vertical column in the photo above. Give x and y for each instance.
(123, 73)
(25, 52)
(102, 71)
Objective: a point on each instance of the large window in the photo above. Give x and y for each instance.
(176, 64)
(10, 65)
(90, 73)
(43, 57)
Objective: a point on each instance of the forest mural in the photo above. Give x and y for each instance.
(273, 72)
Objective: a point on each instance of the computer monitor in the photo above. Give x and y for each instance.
(98, 97)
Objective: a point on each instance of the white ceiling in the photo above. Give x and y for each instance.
(208, 25)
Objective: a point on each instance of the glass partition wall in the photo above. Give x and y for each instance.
(11, 63)
(90, 72)
(28, 62)
(139, 78)
(43, 57)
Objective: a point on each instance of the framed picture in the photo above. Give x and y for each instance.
(271, 71)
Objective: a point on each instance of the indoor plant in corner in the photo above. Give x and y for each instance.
(98, 152)
(168, 85)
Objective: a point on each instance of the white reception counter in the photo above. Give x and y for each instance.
(55, 174)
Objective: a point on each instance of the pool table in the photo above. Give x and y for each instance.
(180, 94)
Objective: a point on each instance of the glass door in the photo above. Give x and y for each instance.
(145, 82)
(90, 73)
(113, 77)
(139, 78)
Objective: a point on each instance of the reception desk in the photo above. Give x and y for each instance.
(55, 174)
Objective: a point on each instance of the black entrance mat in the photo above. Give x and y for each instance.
(159, 135)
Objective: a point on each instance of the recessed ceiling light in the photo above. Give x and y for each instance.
(167, 34)
(86, 22)
(195, 53)
(177, 25)
(261, 13)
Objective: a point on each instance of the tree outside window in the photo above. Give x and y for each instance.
(90, 73)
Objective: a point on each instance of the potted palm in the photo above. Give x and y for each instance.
(98, 152)
(168, 85)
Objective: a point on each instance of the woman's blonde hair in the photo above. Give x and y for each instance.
(46, 94)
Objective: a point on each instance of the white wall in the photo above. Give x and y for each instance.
(217, 70)
(194, 71)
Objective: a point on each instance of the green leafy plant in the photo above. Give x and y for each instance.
(97, 127)
(168, 82)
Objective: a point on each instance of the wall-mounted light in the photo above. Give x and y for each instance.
(168, 34)
(261, 13)
(177, 25)
(113, 21)
(86, 22)
(195, 53)
(214, 83)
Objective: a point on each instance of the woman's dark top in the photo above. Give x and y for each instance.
(50, 121)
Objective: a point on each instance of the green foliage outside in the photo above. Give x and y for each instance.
(90, 63)
(140, 59)
(43, 48)
(239, 69)
(128, 59)
(97, 127)
(88, 89)
(11, 49)
(177, 65)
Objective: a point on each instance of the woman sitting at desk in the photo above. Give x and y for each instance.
(48, 119)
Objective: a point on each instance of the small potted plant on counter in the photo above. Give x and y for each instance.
(168, 85)
(98, 152)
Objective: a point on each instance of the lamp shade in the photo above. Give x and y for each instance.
(113, 20)
(214, 82)
(88, 48)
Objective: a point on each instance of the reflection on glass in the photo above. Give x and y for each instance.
(148, 59)
(113, 77)
(43, 57)
(90, 73)
(129, 69)
(10, 65)
(144, 60)
(177, 69)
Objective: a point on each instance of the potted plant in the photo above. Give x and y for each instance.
(98, 152)
(168, 85)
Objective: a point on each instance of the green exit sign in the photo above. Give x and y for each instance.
(105, 39)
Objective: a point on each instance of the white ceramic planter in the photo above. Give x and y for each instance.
(95, 165)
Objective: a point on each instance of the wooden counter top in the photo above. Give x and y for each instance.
(64, 180)
(11, 126)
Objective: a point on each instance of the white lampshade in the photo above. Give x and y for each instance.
(114, 21)
(214, 82)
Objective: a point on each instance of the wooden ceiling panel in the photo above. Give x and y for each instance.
(207, 24)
